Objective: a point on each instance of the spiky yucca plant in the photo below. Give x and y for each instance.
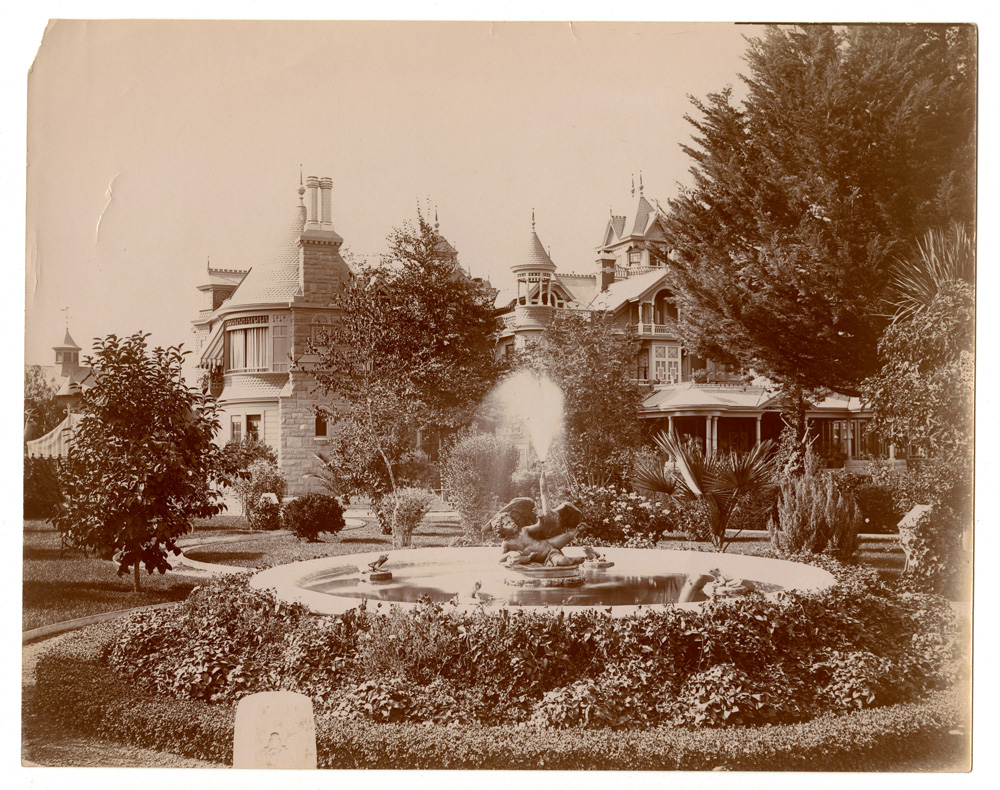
(942, 257)
(724, 481)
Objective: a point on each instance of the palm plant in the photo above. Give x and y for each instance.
(723, 481)
(942, 257)
(328, 475)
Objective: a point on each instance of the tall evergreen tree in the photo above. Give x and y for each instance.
(850, 144)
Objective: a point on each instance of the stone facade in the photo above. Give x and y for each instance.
(254, 332)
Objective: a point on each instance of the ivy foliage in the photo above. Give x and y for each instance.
(858, 644)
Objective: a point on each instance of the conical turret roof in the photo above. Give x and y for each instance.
(276, 277)
(68, 344)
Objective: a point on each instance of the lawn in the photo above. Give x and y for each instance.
(265, 551)
(58, 586)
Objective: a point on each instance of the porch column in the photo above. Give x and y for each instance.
(758, 427)
(850, 439)
(708, 435)
(715, 434)
(670, 424)
(892, 452)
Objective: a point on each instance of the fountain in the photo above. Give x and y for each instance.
(536, 565)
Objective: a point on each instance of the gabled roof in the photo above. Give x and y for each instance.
(628, 290)
(640, 222)
(582, 287)
(643, 211)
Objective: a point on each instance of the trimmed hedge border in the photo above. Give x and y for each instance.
(75, 691)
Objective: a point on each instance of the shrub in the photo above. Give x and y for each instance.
(224, 642)
(263, 477)
(239, 455)
(937, 560)
(76, 691)
(726, 696)
(618, 517)
(877, 505)
(579, 670)
(477, 475)
(309, 515)
(940, 549)
(812, 515)
(400, 513)
(42, 487)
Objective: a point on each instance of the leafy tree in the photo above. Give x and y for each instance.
(142, 462)
(412, 348)
(852, 141)
(590, 359)
(40, 407)
(923, 395)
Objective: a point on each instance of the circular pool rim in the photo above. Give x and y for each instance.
(288, 581)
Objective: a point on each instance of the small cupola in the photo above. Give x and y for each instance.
(67, 355)
(535, 272)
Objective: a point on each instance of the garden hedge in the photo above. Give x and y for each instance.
(77, 693)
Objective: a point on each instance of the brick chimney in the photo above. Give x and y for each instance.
(606, 267)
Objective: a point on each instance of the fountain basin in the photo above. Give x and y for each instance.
(641, 579)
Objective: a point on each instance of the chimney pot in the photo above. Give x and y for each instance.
(312, 208)
(326, 188)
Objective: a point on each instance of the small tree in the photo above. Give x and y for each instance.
(591, 360)
(260, 478)
(413, 347)
(142, 462)
(41, 411)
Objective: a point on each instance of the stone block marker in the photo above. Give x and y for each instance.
(274, 729)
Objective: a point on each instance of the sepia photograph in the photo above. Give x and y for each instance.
(499, 396)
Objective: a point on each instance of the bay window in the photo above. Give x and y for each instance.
(249, 341)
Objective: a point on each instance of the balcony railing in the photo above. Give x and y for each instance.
(662, 330)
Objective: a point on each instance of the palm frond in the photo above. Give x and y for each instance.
(756, 468)
(653, 476)
(942, 257)
(694, 468)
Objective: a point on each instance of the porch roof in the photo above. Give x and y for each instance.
(55, 444)
(690, 399)
(707, 399)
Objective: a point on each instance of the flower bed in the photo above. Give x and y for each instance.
(77, 692)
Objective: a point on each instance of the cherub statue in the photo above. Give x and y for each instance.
(374, 566)
(527, 540)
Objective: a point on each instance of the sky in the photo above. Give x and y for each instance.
(156, 146)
